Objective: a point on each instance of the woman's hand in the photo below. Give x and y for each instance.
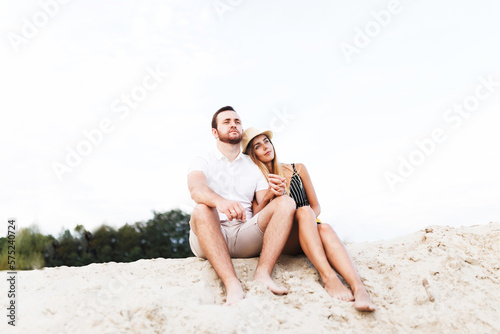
(277, 184)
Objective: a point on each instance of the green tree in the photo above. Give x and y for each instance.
(30, 244)
(29, 249)
(129, 243)
(167, 235)
(105, 238)
(67, 249)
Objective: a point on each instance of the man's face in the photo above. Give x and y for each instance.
(229, 129)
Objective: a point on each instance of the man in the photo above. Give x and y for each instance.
(224, 183)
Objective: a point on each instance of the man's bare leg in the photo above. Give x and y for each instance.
(312, 246)
(206, 225)
(340, 260)
(276, 221)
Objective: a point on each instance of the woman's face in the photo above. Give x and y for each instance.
(263, 148)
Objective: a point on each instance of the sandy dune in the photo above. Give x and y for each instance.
(439, 280)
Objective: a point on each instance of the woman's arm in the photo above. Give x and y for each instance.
(309, 188)
(258, 206)
(277, 186)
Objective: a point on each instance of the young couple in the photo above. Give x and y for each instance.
(248, 205)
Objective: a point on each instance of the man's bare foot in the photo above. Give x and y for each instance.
(336, 289)
(234, 293)
(362, 301)
(264, 278)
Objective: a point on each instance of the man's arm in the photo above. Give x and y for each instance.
(200, 191)
(202, 194)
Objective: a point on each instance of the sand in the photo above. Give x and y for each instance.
(438, 280)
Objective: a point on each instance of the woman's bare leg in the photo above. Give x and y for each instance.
(341, 261)
(305, 236)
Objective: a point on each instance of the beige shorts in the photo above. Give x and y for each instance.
(243, 239)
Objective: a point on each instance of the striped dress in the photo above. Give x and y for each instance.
(297, 191)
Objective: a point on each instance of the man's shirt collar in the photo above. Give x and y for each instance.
(220, 156)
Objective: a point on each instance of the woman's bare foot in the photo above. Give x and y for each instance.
(362, 301)
(234, 293)
(264, 278)
(336, 289)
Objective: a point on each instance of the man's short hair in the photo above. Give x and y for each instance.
(214, 119)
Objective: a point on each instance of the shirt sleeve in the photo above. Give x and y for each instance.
(199, 163)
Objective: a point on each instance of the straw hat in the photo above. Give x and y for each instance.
(250, 134)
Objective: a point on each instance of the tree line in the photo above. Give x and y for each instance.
(166, 235)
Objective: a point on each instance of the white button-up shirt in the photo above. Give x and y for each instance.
(237, 181)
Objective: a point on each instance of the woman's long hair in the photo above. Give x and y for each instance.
(277, 167)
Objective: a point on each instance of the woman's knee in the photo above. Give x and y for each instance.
(325, 228)
(305, 213)
(327, 232)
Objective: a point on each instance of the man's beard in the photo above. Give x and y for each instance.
(228, 140)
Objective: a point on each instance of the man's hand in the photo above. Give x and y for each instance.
(232, 209)
(277, 184)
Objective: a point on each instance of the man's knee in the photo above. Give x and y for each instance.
(201, 210)
(201, 213)
(285, 203)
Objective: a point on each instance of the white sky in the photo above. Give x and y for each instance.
(347, 122)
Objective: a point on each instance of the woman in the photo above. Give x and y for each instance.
(318, 241)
